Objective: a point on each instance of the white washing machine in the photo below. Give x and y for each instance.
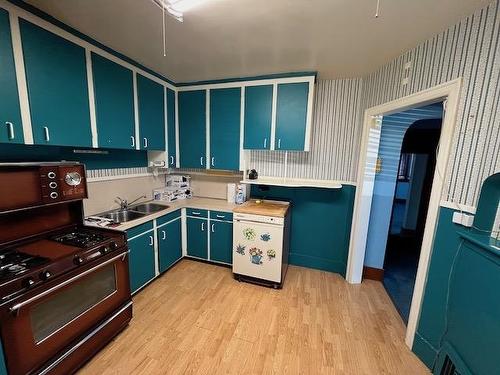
(261, 231)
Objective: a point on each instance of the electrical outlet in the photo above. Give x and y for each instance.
(407, 65)
(405, 81)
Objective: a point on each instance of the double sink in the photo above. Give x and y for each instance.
(133, 212)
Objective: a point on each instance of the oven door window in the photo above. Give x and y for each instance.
(63, 307)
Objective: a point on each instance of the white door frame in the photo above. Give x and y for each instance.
(449, 91)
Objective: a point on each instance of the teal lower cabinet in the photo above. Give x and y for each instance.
(221, 241)
(197, 237)
(3, 367)
(141, 259)
(169, 244)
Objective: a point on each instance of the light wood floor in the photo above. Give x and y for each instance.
(197, 319)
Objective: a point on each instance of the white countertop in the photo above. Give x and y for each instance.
(294, 182)
(195, 202)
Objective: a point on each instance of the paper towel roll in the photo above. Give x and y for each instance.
(231, 192)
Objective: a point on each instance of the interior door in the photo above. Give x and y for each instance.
(192, 128)
(56, 75)
(142, 260)
(258, 117)
(11, 127)
(151, 101)
(225, 118)
(114, 102)
(169, 237)
(197, 237)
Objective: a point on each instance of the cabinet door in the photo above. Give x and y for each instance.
(11, 129)
(225, 115)
(258, 117)
(192, 128)
(56, 75)
(197, 239)
(221, 241)
(169, 237)
(172, 142)
(151, 100)
(114, 102)
(141, 260)
(291, 116)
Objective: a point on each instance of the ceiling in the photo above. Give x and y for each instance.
(237, 38)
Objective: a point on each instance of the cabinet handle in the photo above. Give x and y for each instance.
(171, 160)
(201, 160)
(279, 143)
(163, 235)
(213, 161)
(47, 134)
(132, 138)
(151, 241)
(202, 226)
(11, 130)
(221, 216)
(145, 142)
(213, 228)
(265, 142)
(195, 213)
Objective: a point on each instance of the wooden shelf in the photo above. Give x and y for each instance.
(294, 182)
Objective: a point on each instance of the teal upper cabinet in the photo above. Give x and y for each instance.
(258, 117)
(151, 100)
(11, 129)
(192, 128)
(56, 76)
(114, 102)
(225, 118)
(291, 116)
(172, 142)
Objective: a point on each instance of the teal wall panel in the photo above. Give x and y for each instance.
(110, 159)
(258, 117)
(151, 99)
(320, 224)
(56, 76)
(114, 101)
(9, 101)
(192, 128)
(172, 143)
(225, 120)
(291, 116)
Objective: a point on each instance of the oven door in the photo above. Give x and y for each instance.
(43, 323)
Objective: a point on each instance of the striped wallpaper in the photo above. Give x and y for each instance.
(470, 49)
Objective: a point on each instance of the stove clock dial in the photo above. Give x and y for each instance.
(73, 178)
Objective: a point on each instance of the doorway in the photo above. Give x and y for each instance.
(410, 204)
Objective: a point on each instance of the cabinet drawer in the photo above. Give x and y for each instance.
(196, 212)
(132, 232)
(168, 217)
(221, 215)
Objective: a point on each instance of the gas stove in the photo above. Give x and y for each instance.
(14, 263)
(81, 238)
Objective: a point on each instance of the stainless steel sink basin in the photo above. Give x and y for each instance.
(148, 208)
(122, 216)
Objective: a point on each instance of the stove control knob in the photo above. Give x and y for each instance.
(78, 260)
(105, 250)
(45, 275)
(29, 282)
(113, 245)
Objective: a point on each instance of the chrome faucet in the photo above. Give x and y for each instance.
(125, 203)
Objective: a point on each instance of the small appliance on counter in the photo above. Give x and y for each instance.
(176, 187)
(261, 231)
(253, 175)
(64, 286)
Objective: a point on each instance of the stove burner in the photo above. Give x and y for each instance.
(84, 239)
(13, 263)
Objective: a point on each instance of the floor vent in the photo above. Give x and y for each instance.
(449, 367)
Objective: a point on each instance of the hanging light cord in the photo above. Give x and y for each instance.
(378, 7)
(164, 29)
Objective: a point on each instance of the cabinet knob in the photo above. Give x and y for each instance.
(10, 127)
(145, 142)
(265, 142)
(151, 241)
(164, 235)
(47, 134)
(132, 139)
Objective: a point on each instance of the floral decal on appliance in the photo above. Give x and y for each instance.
(265, 237)
(271, 254)
(256, 255)
(249, 234)
(240, 249)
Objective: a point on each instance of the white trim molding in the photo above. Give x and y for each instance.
(362, 204)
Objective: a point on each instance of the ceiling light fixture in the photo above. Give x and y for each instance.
(176, 8)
